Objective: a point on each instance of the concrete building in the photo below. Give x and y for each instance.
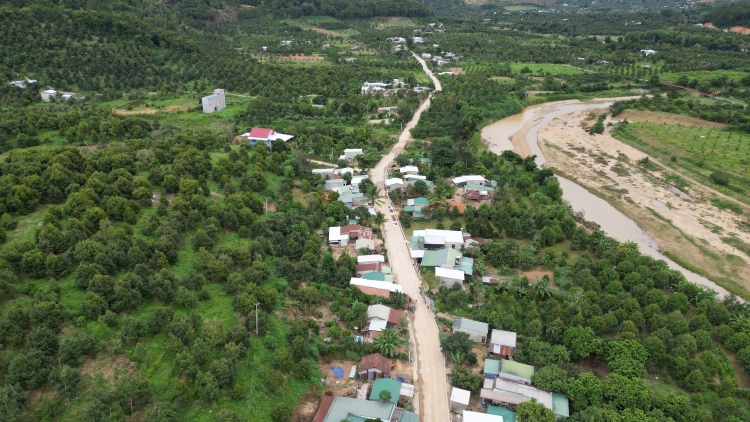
(369, 259)
(436, 239)
(476, 330)
(409, 170)
(214, 102)
(342, 235)
(459, 399)
(350, 155)
(369, 88)
(491, 368)
(449, 277)
(49, 95)
(503, 343)
(375, 288)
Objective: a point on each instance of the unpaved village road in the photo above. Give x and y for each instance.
(431, 382)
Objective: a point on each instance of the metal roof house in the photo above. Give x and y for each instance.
(473, 179)
(409, 170)
(349, 409)
(491, 368)
(433, 238)
(445, 258)
(503, 343)
(374, 366)
(394, 183)
(267, 136)
(376, 288)
(503, 392)
(476, 330)
(449, 277)
(341, 235)
(507, 415)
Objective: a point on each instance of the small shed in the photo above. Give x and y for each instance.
(386, 384)
(491, 368)
(459, 399)
(476, 330)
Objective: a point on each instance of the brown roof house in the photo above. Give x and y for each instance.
(374, 366)
(379, 318)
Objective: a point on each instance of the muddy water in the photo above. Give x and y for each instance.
(613, 222)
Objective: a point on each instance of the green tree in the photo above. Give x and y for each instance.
(533, 411)
(581, 342)
(463, 378)
(206, 387)
(384, 396)
(388, 343)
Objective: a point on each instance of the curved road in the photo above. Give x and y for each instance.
(431, 380)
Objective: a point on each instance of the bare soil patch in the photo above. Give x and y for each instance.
(306, 407)
(740, 30)
(670, 119)
(596, 365)
(533, 275)
(107, 366)
(708, 24)
(325, 32)
(458, 70)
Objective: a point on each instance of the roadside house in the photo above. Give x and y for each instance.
(449, 277)
(491, 368)
(374, 366)
(337, 409)
(341, 235)
(436, 239)
(476, 330)
(393, 184)
(503, 343)
(386, 384)
(459, 399)
(471, 179)
(469, 416)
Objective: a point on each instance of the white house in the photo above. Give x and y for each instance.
(369, 259)
(410, 177)
(48, 95)
(264, 135)
(418, 40)
(350, 59)
(409, 170)
(214, 102)
(369, 88)
(394, 183)
(469, 416)
(426, 55)
(449, 277)
(17, 84)
(434, 238)
(648, 52)
(350, 154)
(459, 399)
(356, 180)
(435, 45)
(473, 179)
(286, 42)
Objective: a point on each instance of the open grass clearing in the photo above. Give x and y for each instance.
(703, 76)
(519, 8)
(544, 68)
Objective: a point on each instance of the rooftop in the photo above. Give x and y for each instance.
(469, 416)
(449, 274)
(518, 369)
(470, 325)
(507, 415)
(344, 407)
(491, 366)
(460, 396)
(504, 338)
(386, 384)
(440, 257)
(375, 360)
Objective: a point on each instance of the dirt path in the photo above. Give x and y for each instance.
(149, 110)
(431, 382)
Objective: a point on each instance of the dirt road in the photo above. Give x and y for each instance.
(431, 382)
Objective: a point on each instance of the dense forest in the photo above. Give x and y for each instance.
(732, 15)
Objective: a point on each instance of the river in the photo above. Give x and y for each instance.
(612, 221)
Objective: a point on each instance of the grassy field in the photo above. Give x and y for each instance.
(703, 76)
(699, 152)
(544, 68)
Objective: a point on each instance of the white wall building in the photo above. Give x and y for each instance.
(459, 399)
(436, 238)
(369, 88)
(449, 277)
(394, 183)
(48, 95)
(214, 102)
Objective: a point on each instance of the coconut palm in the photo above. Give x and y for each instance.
(388, 343)
(373, 195)
(378, 220)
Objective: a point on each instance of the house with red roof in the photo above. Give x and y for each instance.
(265, 135)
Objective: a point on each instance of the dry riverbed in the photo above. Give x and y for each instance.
(690, 228)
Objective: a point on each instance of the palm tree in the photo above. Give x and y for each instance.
(630, 246)
(388, 343)
(373, 195)
(705, 293)
(378, 220)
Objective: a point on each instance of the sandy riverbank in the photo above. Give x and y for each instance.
(691, 230)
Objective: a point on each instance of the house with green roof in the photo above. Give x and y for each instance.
(444, 258)
(476, 330)
(516, 371)
(353, 410)
(378, 276)
(507, 415)
(386, 384)
(491, 368)
(426, 161)
(560, 405)
(407, 416)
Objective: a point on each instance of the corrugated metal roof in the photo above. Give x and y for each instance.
(325, 404)
(560, 405)
(507, 415)
(343, 407)
(386, 384)
(460, 396)
(470, 325)
(518, 369)
(504, 338)
(409, 417)
(491, 366)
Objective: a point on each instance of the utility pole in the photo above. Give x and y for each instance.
(256, 318)
(266, 212)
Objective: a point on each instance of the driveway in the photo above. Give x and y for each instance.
(432, 383)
